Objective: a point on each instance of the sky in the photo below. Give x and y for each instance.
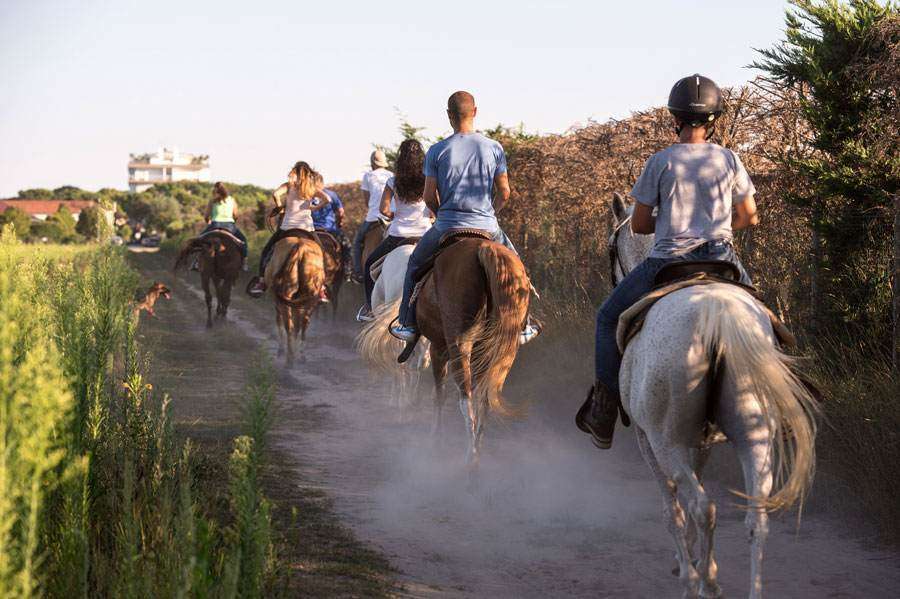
(259, 85)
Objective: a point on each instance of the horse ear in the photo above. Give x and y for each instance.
(619, 208)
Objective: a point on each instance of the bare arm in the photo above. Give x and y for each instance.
(339, 217)
(208, 214)
(744, 214)
(501, 191)
(234, 212)
(642, 220)
(324, 200)
(385, 207)
(279, 193)
(430, 195)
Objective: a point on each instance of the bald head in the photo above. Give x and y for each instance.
(461, 106)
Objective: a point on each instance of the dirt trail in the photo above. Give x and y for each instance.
(551, 517)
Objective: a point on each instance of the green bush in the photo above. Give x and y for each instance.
(97, 499)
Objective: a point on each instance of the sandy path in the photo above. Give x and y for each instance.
(552, 517)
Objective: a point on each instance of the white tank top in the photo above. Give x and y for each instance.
(297, 214)
(411, 219)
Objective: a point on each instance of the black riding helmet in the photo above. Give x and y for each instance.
(695, 100)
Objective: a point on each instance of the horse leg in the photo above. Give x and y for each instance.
(288, 321)
(461, 359)
(280, 328)
(699, 457)
(439, 369)
(225, 297)
(703, 514)
(747, 427)
(301, 323)
(208, 296)
(674, 515)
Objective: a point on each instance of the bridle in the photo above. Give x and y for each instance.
(615, 260)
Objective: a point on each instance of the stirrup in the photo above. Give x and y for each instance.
(364, 314)
(408, 350)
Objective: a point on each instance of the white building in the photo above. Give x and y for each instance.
(165, 166)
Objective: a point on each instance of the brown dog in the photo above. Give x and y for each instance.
(156, 290)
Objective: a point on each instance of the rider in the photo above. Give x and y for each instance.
(465, 184)
(701, 192)
(331, 219)
(373, 186)
(221, 213)
(411, 217)
(298, 192)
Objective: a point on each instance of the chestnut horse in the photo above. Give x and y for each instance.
(334, 268)
(220, 263)
(472, 307)
(295, 274)
(373, 238)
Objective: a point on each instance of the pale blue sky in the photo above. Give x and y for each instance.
(258, 85)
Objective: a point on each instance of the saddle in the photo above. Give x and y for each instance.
(325, 234)
(448, 239)
(632, 320)
(224, 232)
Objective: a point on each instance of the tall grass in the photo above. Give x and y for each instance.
(97, 499)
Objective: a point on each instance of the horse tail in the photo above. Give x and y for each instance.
(734, 335)
(375, 343)
(191, 246)
(497, 343)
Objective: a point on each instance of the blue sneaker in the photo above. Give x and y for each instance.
(404, 333)
(528, 333)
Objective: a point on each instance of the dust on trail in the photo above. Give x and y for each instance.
(551, 516)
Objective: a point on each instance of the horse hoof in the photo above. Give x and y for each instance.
(711, 591)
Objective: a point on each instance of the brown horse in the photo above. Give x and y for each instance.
(334, 267)
(295, 274)
(373, 238)
(471, 307)
(220, 263)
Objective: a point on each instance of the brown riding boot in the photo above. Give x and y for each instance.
(598, 414)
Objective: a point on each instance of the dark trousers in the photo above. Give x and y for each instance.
(387, 246)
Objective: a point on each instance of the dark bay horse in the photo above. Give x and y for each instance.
(220, 264)
(334, 267)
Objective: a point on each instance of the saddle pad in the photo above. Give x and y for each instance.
(224, 232)
(375, 269)
(632, 319)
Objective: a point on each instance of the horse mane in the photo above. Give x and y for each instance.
(496, 336)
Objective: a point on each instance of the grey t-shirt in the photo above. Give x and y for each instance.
(694, 187)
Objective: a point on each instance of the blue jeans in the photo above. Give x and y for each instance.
(635, 284)
(231, 228)
(358, 242)
(425, 249)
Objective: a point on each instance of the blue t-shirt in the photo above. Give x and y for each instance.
(326, 217)
(465, 166)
